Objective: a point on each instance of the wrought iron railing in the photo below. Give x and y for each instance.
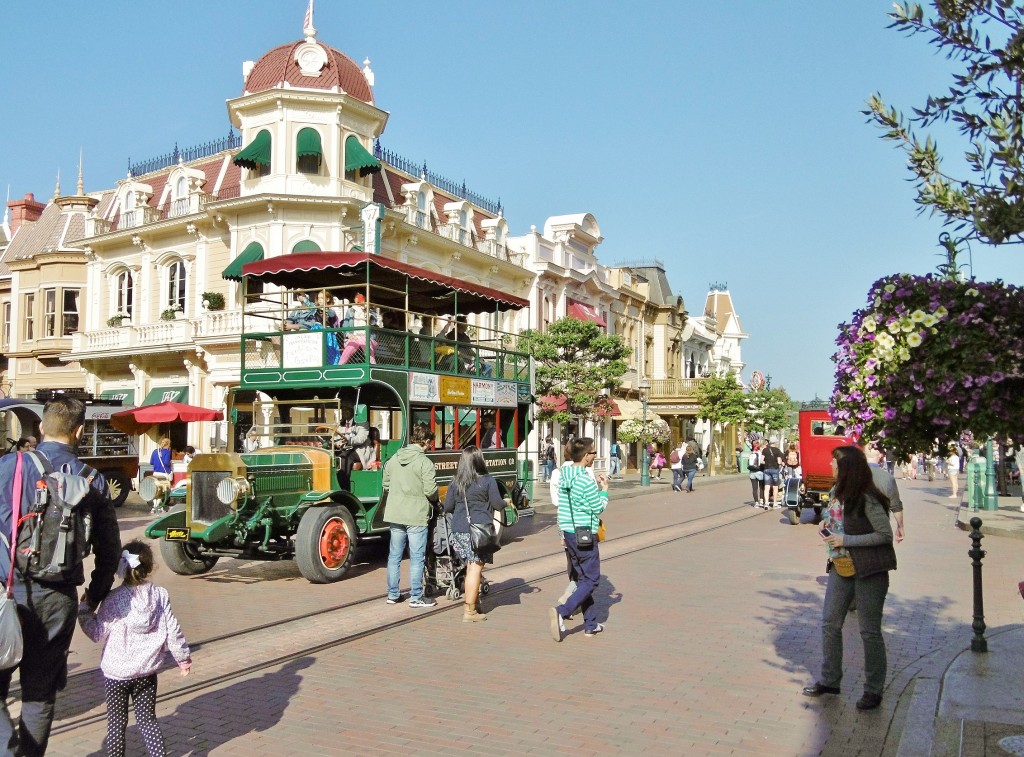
(185, 154)
(444, 184)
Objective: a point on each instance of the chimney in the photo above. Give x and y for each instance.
(25, 211)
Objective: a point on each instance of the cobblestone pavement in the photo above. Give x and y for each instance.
(712, 611)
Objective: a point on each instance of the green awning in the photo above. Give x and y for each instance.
(308, 143)
(358, 159)
(306, 246)
(252, 252)
(127, 396)
(256, 153)
(160, 394)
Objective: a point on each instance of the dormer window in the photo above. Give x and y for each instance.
(256, 156)
(422, 215)
(308, 151)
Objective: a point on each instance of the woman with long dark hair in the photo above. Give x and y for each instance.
(472, 489)
(858, 539)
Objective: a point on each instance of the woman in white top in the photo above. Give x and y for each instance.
(676, 462)
(953, 468)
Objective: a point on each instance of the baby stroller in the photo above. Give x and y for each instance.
(444, 570)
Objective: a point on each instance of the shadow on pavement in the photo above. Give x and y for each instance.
(220, 716)
(913, 630)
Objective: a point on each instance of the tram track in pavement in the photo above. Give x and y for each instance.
(229, 656)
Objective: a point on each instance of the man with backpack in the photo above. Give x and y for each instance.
(48, 567)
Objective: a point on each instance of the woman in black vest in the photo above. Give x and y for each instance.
(858, 538)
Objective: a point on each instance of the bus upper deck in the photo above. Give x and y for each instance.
(342, 318)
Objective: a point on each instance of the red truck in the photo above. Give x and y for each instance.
(819, 435)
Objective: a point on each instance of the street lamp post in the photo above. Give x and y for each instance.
(645, 463)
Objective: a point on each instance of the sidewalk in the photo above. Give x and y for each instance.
(974, 706)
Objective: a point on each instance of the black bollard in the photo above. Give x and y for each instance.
(978, 643)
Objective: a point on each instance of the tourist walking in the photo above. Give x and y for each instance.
(472, 496)
(550, 459)
(691, 463)
(675, 460)
(953, 468)
(886, 483)
(581, 502)
(136, 625)
(772, 460)
(858, 540)
(48, 610)
(411, 489)
(754, 464)
(615, 460)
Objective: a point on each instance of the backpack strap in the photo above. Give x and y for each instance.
(15, 516)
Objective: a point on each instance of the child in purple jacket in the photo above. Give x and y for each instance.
(137, 626)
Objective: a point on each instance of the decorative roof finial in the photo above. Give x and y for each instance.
(368, 72)
(307, 25)
(81, 187)
(56, 189)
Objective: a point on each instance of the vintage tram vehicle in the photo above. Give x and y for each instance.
(342, 355)
(819, 435)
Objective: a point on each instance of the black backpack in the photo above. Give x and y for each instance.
(53, 535)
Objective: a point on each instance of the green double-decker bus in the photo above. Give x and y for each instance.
(342, 355)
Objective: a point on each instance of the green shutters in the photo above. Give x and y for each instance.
(358, 159)
(256, 154)
(252, 253)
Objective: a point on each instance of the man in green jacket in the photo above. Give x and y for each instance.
(411, 488)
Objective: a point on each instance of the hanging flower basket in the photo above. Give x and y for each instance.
(929, 358)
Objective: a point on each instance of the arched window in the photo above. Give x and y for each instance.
(308, 151)
(122, 300)
(256, 155)
(176, 285)
(181, 188)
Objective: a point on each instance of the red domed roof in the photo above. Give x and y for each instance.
(279, 66)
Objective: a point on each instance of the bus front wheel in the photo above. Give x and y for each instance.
(325, 544)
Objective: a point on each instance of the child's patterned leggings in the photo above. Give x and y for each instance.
(143, 695)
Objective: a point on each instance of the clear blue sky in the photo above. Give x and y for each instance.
(723, 138)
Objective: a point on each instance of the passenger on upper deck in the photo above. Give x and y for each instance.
(357, 318)
(457, 331)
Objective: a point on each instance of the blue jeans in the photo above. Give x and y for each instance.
(870, 595)
(587, 564)
(417, 538)
(689, 478)
(613, 465)
(677, 478)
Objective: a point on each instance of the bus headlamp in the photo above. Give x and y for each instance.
(231, 489)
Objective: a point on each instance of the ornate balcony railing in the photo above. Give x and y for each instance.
(675, 388)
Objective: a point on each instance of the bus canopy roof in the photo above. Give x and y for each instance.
(433, 292)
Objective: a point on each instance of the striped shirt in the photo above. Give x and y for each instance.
(580, 501)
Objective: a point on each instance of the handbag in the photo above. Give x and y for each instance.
(12, 643)
(584, 534)
(844, 566)
(483, 537)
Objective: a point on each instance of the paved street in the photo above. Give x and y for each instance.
(712, 612)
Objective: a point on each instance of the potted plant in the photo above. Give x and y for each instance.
(213, 300)
(115, 320)
(172, 313)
